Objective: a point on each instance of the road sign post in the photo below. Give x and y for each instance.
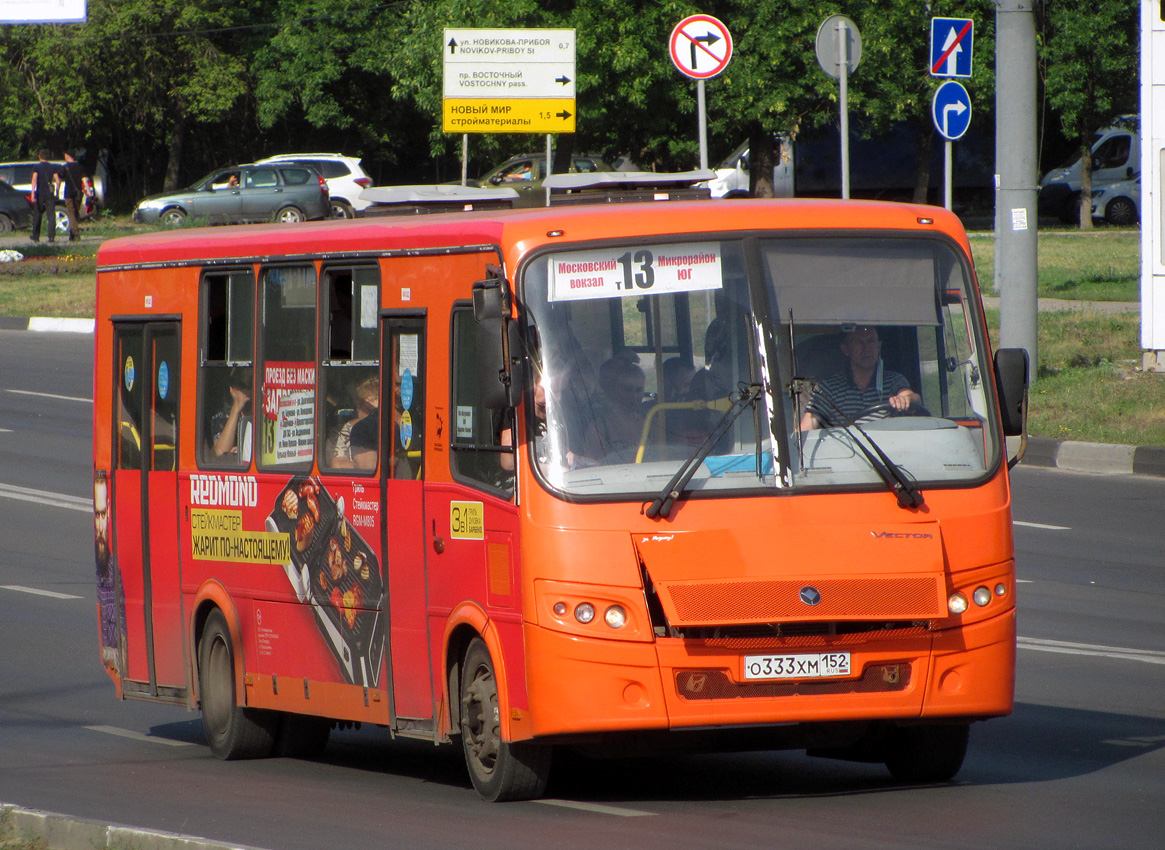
(701, 48)
(951, 111)
(839, 50)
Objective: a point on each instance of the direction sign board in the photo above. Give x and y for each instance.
(950, 46)
(508, 81)
(951, 110)
(701, 46)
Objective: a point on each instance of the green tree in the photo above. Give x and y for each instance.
(1089, 55)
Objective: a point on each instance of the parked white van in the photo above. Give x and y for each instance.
(1116, 156)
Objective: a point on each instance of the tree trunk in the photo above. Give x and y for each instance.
(563, 153)
(761, 161)
(1086, 185)
(922, 168)
(174, 161)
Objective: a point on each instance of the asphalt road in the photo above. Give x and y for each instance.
(1079, 764)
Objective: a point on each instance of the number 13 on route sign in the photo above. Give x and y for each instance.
(700, 47)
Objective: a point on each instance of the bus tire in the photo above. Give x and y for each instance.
(919, 754)
(500, 769)
(302, 736)
(232, 731)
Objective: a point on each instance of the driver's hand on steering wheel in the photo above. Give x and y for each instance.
(904, 398)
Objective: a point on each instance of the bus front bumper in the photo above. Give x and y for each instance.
(580, 686)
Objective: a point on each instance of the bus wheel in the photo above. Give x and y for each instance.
(233, 732)
(500, 770)
(301, 736)
(927, 753)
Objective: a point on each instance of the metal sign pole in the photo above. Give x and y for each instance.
(703, 119)
(549, 165)
(464, 159)
(843, 52)
(948, 183)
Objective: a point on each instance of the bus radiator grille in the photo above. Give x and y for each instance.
(724, 603)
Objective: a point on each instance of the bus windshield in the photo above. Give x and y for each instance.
(763, 364)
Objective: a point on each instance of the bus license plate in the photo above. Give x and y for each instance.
(800, 666)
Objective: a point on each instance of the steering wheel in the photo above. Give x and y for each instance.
(886, 408)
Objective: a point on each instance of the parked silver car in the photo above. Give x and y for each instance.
(243, 193)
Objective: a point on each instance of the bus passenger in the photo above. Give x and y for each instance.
(231, 429)
(860, 386)
(367, 397)
(365, 441)
(614, 432)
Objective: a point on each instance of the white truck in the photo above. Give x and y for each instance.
(1116, 157)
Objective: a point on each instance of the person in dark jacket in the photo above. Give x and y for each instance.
(74, 178)
(45, 180)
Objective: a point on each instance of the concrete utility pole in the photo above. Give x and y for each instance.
(1016, 178)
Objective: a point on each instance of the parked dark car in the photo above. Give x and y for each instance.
(243, 193)
(15, 210)
(524, 173)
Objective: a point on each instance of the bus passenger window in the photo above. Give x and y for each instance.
(349, 376)
(285, 420)
(476, 441)
(225, 372)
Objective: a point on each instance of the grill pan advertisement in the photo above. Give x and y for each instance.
(334, 570)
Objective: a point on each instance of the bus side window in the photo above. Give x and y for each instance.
(476, 441)
(225, 370)
(286, 409)
(349, 377)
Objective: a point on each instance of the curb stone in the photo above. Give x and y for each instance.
(17, 323)
(60, 832)
(1100, 458)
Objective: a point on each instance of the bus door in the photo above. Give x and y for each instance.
(403, 514)
(145, 502)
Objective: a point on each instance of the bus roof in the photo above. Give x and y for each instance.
(521, 229)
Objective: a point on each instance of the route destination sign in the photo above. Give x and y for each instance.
(508, 81)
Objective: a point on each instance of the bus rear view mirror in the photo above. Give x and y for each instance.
(1011, 369)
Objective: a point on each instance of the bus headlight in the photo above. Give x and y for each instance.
(584, 612)
(615, 617)
(982, 596)
(957, 604)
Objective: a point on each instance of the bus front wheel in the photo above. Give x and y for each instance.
(232, 731)
(500, 769)
(917, 754)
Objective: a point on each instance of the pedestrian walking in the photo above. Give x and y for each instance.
(74, 179)
(45, 179)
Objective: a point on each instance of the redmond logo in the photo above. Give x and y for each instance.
(903, 535)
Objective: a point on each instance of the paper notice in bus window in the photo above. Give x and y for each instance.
(289, 410)
(409, 354)
(641, 270)
(368, 306)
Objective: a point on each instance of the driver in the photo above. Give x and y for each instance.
(863, 384)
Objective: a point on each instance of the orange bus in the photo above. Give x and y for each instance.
(696, 473)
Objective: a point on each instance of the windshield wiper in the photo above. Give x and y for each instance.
(662, 504)
(904, 489)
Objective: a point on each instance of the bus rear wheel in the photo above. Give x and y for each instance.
(918, 754)
(500, 769)
(232, 731)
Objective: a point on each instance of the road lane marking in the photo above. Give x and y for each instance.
(53, 395)
(19, 588)
(1147, 656)
(138, 736)
(44, 497)
(1042, 525)
(596, 808)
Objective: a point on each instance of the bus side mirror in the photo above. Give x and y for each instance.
(499, 363)
(1011, 368)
